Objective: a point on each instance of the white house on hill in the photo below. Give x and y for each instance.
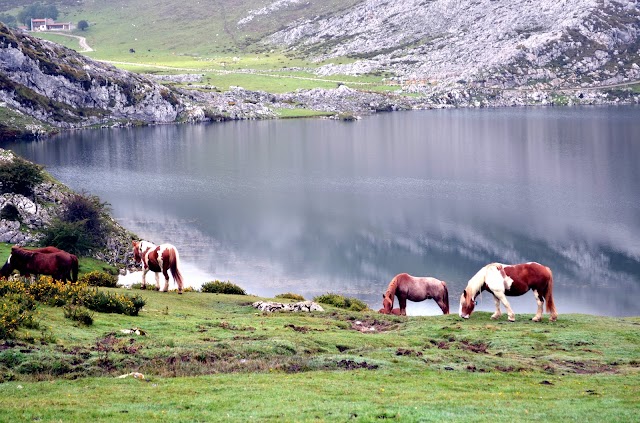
(49, 25)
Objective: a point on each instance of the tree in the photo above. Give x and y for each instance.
(37, 11)
(8, 20)
(82, 25)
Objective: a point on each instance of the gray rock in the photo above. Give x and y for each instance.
(303, 306)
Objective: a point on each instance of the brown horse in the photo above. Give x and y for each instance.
(407, 287)
(158, 258)
(43, 261)
(504, 280)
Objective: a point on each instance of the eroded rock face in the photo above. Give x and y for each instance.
(503, 43)
(66, 89)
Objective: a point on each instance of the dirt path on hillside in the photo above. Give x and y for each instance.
(81, 40)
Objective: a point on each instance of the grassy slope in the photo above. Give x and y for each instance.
(232, 363)
(196, 39)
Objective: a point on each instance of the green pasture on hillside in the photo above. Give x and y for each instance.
(212, 357)
(155, 37)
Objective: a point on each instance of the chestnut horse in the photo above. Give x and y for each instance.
(512, 280)
(158, 258)
(42, 261)
(407, 287)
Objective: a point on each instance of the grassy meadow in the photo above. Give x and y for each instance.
(205, 39)
(212, 357)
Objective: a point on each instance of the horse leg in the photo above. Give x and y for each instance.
(498, 313)
(144, 279)
(538, 315)
(510, 314)
(166, 280)
(443, 306)
(157, 275)
(403, 305)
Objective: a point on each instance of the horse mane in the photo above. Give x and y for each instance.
(391, 289)
(22, 252)
(390, 293)
(475, 283)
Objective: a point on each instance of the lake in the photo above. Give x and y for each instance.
(312, 206)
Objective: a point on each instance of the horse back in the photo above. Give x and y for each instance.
(527, 276)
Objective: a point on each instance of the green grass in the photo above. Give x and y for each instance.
(301, 113)
(68, 42)
(193, 39)
(13, 123)
(211, 357)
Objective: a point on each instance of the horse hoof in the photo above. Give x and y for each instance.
(180, 292)
(512, 320)
(536, 319)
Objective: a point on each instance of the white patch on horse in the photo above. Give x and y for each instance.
(9, 259)
(161, 251)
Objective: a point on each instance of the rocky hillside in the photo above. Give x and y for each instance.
(30, 214)
(485, 43)
(59, 86)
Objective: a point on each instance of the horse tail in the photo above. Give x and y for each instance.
(445, 298)
(548, 298)
(74, 268)
(175, 272)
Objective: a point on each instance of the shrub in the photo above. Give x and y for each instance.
(97, 278)
(340, 301)
(107, 302)
(19, 176)
(17, 308)
(57, 294)
(218, 287)
(79, 314)
(82, 225)
(10, 212)
(68, 236)
(291, 296)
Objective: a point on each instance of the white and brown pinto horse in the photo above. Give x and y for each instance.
(512, 280)
(412, 288)
(158, 258)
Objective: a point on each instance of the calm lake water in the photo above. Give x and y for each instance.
(315, 206)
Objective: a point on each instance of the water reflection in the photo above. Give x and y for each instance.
(313, 206)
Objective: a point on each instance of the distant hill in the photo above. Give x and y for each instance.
(501, 43)
(546, 44)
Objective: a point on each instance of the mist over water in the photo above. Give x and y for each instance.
(314, 206)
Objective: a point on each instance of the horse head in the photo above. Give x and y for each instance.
(137, 251)
(387, 303)
(7, 268)
(467, 304)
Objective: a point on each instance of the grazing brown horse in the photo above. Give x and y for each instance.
(158, 258)
(504, 280)
(407, 287)
(43, 261)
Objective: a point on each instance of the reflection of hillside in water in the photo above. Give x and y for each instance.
(316, 206)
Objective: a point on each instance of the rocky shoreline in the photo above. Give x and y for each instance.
(36, 212)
